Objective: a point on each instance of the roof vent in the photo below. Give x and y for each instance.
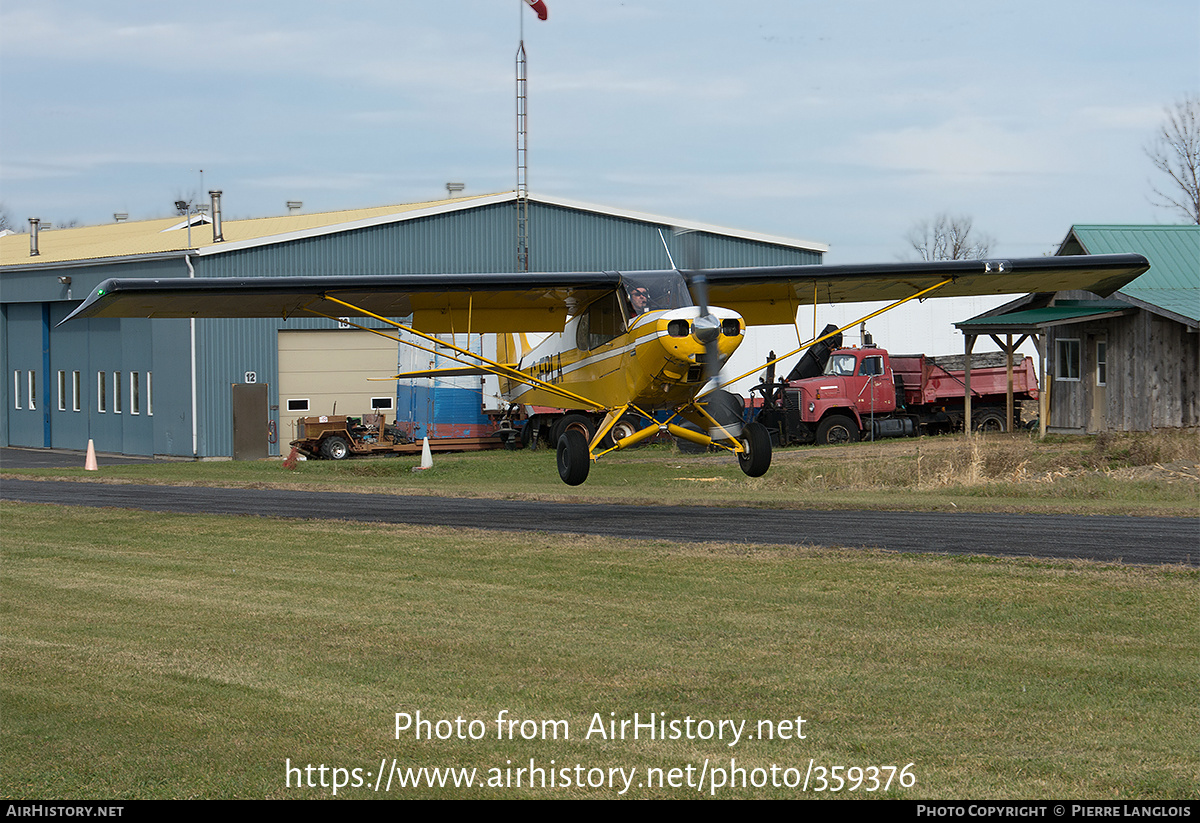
(121, 216)
(294, 206)
(33, 236)
(218, 236)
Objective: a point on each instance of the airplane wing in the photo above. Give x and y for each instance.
(439, 303)
(540, 302)
(771, 295)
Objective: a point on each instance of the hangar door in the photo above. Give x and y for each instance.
(318, 369)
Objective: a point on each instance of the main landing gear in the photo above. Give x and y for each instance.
(751, 442)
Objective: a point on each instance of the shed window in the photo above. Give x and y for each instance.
(101, 392)
(76, 392)
(62, 390)
(300, 404)
(17, 389)
(31, 383)
(1066, 359)
(382, 403)
(1101, 362)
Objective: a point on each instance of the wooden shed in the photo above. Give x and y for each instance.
(1127, 363)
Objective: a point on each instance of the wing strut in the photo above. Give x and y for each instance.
(497, 368)
(864, 319)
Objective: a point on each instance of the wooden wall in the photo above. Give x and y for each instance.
(1153, 376)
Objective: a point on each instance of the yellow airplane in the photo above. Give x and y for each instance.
(620, 342)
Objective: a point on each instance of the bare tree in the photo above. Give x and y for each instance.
(6, 223)
(1175, 152)
(948, 237)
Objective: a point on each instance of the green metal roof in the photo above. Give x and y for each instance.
(1173, 281)
(1031, 321)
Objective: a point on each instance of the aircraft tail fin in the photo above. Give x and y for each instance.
(511, 348)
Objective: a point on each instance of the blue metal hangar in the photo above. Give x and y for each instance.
(167, 386)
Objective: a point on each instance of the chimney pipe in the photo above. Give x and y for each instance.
(33, 236)
(218, 236)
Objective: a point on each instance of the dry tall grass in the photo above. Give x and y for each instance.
(990, 460)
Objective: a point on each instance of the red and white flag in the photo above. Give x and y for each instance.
(539, 6)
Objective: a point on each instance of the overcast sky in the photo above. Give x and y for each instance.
(844, 123)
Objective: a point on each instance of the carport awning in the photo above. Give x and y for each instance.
(1031, 321)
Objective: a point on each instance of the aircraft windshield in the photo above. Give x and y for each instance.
(650, 291)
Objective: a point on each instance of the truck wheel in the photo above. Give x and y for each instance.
(335, 448)
(756, 440)
(837, 429)
(574, 422)
(989, 421)
(574, 461)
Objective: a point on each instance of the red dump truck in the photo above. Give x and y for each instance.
(867, 393)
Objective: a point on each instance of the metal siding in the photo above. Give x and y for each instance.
(5, 400)
(24, 353)
(172, 387)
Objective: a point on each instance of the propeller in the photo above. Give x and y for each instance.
(706, 328)
(725, 407)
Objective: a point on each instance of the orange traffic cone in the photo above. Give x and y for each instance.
(90, 463)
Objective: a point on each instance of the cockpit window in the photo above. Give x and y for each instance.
(650, 291)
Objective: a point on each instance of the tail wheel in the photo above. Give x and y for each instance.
(335, 448)
(837, 429)
(756, 458)
(574, 460)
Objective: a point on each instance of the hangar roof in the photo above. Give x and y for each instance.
(169, 235)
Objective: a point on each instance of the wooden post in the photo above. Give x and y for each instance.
(1008, 350)
(969, 344)
(1043, 386)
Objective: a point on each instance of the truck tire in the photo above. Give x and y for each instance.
(335, 448)
(756, 440)
(574, 461)
(837, 429)
(574, 422)
(989, 422)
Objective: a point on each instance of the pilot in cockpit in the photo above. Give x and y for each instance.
(639, 298)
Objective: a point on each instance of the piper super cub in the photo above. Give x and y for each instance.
(621, 342)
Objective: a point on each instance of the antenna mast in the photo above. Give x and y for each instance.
(522, 159)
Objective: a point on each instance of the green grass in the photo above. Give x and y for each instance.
(152, 655)
(1140, 474)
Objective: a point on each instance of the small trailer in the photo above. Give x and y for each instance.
(336, 437)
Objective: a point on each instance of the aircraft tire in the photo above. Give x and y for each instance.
(335, 448)
(574, 460)
(626, 426)
(756, 440)
(837, 429)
